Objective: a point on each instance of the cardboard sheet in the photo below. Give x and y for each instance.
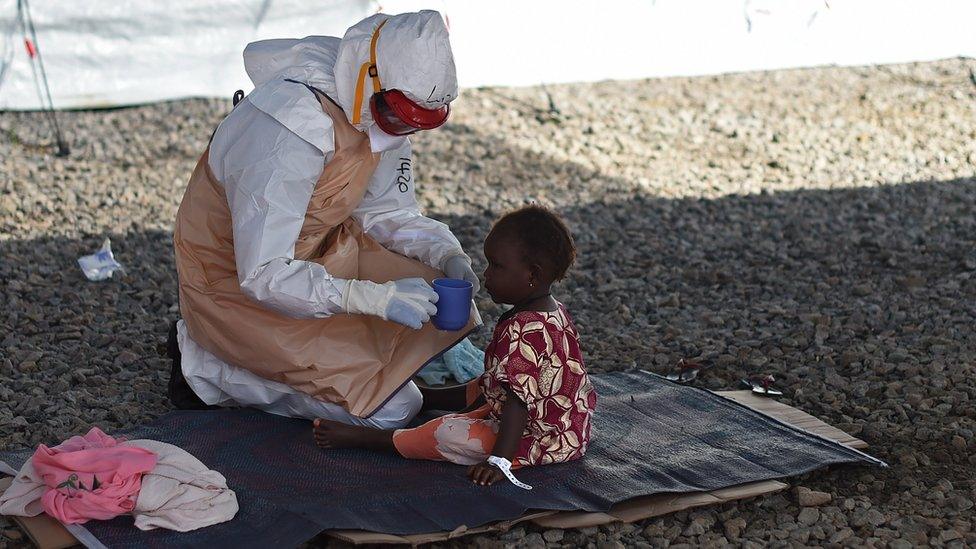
(47, 533)
(644, 507)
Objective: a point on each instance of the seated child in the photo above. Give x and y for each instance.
(533, 404)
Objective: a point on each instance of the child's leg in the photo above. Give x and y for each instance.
(456, 397)
(464, 439)
(472, 391)
(333, 434)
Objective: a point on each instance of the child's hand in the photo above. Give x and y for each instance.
(485, 474)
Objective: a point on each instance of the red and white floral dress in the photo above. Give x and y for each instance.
(537, 356)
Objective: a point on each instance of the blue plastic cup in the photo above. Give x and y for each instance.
(453, 303)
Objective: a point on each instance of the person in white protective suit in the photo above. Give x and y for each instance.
(303, 259)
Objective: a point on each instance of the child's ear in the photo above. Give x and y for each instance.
(536, 275)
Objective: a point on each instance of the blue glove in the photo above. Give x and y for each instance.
(459, 267)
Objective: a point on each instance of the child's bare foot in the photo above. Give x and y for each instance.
(332, 434)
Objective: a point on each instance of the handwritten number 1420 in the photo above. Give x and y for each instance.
(404, 178)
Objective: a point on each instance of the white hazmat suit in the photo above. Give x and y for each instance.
(269, 153)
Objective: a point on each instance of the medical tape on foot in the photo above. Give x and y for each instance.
(505, 467)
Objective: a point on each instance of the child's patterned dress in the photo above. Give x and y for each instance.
(537, 356)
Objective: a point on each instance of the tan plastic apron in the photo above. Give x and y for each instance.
(356, 361)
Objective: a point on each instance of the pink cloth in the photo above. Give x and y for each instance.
(70, 470)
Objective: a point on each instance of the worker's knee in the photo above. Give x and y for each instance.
(400, 409)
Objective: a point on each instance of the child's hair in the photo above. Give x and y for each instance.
(543, 236)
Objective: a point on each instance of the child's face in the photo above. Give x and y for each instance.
(507, 276)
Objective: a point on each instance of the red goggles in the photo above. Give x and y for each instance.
(396, 114)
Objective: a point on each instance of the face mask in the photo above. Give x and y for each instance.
(394, 112)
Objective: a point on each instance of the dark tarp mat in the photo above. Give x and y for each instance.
(650, 436)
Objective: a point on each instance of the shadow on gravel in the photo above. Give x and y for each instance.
(747, 281)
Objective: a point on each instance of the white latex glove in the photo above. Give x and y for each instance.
(408, 301)
(459, 267)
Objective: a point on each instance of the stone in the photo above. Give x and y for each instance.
(810, 498)
(533, 540)
(961, 503)
(653, 530)
(513, 534)
(694, 529)
(733, 527)
(800, 535)
(841, 535)
(808, 516)
(875, 517)
(946, 536)
(553, 536)
(908, 460)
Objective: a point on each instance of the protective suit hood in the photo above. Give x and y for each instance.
(271, 63)
(310, 60)
(413, 55)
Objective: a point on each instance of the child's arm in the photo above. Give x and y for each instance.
(515, 415)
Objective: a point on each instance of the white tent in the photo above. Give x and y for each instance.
(103, 53)
(118, 52)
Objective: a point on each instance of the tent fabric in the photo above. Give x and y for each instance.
(650, 436)
(106, 53)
